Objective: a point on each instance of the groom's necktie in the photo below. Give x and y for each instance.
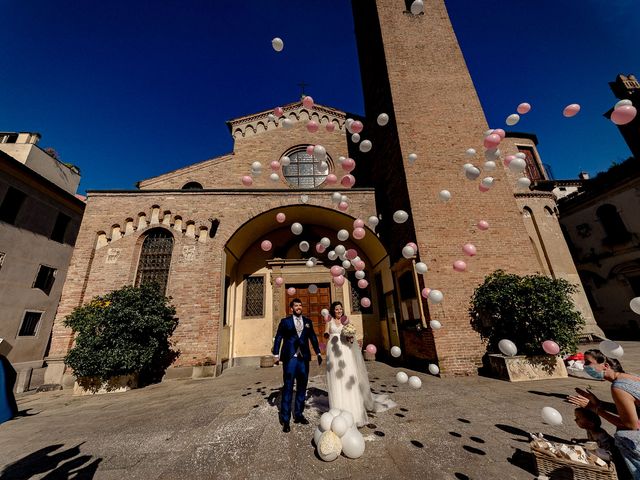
(298, 322)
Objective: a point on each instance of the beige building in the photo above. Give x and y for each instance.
(39, 219)
(198, 230)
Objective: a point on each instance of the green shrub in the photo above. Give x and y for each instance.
(526, 310)
(126, 331)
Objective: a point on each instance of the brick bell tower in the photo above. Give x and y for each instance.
(412, 68)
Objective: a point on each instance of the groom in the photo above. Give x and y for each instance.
(294, 333)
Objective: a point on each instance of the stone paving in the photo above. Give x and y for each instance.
(227, 428)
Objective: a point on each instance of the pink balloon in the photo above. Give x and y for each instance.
(281, 217)
(331, 179)
(483, 225)
(310, 149)
(344, 320)
(413, 245)
(469, 249)
(371, 349)
(459, 266)
(320, 248)
(359, 233)
(571, 110)
(278, 111)
(343, 206)
(356, 127)
(550, 347)
(279, 281)
(482, 188)
(327, 318)
(492, 141)
(336, 271)
(508, 159)
(358, 223)
(523, 108)
(500, 132)
(275, 165)
(307, 102)
(247, 181)
(359, 265)
(351, 253)
(312, 126)
(291, 291)
(365, 302)
(266, 245)
(362, 283)
(425, 292)
(348, 181)
(623, 114)
(330, 127)
(339, 280)
(348, 164)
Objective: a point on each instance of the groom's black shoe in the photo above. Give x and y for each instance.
(301, 420)
(285, 427)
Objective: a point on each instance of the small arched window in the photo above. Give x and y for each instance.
(155, 258)
(192, 186)
(614, 228)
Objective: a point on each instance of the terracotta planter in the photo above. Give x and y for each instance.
(521, 368)
(204, 371)
(96, 386)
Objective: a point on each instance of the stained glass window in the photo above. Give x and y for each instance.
(305, 171)
(155, 259)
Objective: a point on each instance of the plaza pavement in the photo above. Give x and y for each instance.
(227, 428)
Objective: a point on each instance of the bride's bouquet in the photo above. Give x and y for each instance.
(349, 332)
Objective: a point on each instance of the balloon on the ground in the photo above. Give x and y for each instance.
(329, 446)
(291, 291)
(266, 245)
(417, 7)
(611, 349)
(339, 425)
(634, 305)
(247, 181)
(483, 225)
(402, 377)
(550, 347)
(512, 119)
(444, 195)
(307, 101)
(279, 281)
(325, 421)
(415, 382)
(365, 146)
(421, 268)
(551, 416)
(303, 246)
(435, 324)
(399, 216)
(436, 296)
(523, 108)
(434, 369)
(470, 152)
(469, 249)
(371, 348)
(523, 182)
(353, 443)
(459, 266)
(296, 228)
(412, 158)
(571, 110)
(623, 114)
(396, 352)
(277, 44)
(334, 413)
(507, 347)
(316, 436)
(408, 251)
(348, 417)
(383, 119)
(355, 137)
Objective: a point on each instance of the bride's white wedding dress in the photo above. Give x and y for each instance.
(347, 378)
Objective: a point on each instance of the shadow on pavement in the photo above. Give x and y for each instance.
(61, 465)
(523, 433)
(563, 396)
(523, 460)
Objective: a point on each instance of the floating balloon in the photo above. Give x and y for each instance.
(492, 153)
(425, 292)
(523, 108)
(359, 233)
(256, 167)
(472, 172)
(417, 7)
(304, 246)
(492, 141)
(483, 189)
(340, 250)
(421, 268)
(483, 225)
(415, 382)
(433, 369)
(336, 197)
(247, 181)
(500, 132)
(310, 263)
(507, 347)
(278, 111)
(412, 158)
(348, 164)
(508, 159)
(296, 228)
(346, 264)
(339, 280)
(330, 127)
(365, 146)
(611, 349)
(343, 206)
(362, 283)
(487, 182)
(408, 251)
(550, 347)
(348, 181)
(512, 119)
(571, 110)
(312, 126)
(634, 305)
(402, 377)
(359, 264)
(551, 416)
(371, 348)
(489, 165)
(331, 179)
(373, 221)
(348, 122)
(435, 324)
(523, 182)
(470, 152)
(287, 124)
(325, 242)
(351, 254)
(274, 177)
(319, 151)
(285, 161)
(383, 119)
(444, 195)
(291, 291)
(355, 137)
(266, 245)
(395, 352)
(320, 248)
(313, 288)
(459, 266)
(336, 270)
(365, 302)
(343, 235)
(279, 281)
(517, 165)
(469, 249)
(521, 155)
(277, 44)
(622, 103)
(307, 102)
(623, 114)
(413, 245)
(360, 274)
(400, 216)
(348, 417)
(436, 296)
(357, 126)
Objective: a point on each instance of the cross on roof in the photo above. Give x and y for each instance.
(302, 85)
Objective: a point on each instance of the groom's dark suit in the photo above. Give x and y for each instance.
(295, 356)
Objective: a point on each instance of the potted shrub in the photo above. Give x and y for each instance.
(526, 310)
(204, 369)
(122, 339)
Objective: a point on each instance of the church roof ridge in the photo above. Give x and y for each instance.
(287, 108)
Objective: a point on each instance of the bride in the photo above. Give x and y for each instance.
(347, 378)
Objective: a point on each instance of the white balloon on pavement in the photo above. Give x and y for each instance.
(415, 382)
(325, 421)
(402, 377)
(353, 443)
(339, 425)
(434, 369)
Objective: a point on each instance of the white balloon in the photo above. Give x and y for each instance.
(444, 195)
(271, 117)
(325, 421)
(415, 382)
(395, 351)
(436, 296)
(310, 263)
(634, 305)
(343, 235)
(329, 446)
(507, 347)
(323, 166)
(408, 251)
(492, 153)
(472, 173)
(611, 349)
(332, 255)
(346, 264)
(417, 7)
(340, 250)
(365, 146)
(356, 259)
(336, 197)
(339, 425)
(412, 158)
(470, 152)
(348, 417)
(316, 436)
(402, 377)
(517, 165)
(256, 166)
(348, 122)
(355, 138)
(287, 124)
(360, 274)
(313, 288)
(277, 44)
(520, 155)
(325, 242)
(489, 165)
(435, 324)
(304, 198)
(487, 182)
(551, 416)
(383, 119)
(304, 246)
(488, 132)
(341, 159)
(343, 198)
(323, 313)
(274, 177)
(319, 151)
(296, 228)
(353, 443)
(421, 268)
(285, 161)
(512, 119)
(373, 221)
(623, 103)
(400, 216)
(434, 369)
(523, 182)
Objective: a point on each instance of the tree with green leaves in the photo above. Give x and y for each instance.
(526, 310)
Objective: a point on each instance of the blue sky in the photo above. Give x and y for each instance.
(130, 89)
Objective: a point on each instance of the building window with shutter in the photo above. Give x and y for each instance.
(30, 323)
(45, 278)
(253, 296)
(155, 259)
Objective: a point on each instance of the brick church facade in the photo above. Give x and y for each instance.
(198, 230)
